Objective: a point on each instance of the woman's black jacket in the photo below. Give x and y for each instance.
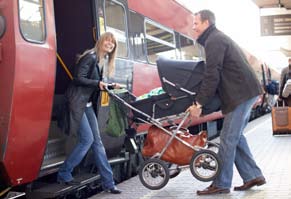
(83, 88)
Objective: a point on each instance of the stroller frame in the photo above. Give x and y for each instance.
(154, 166)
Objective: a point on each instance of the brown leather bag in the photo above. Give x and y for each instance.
(177, 152)
(281, 119)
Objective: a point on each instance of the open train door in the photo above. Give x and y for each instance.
(27, 75)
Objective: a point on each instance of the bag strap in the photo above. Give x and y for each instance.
(283, 102)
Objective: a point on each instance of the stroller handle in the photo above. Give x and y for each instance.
(111, 86)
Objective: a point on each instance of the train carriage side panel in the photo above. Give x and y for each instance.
(7, 51)
(31, 87)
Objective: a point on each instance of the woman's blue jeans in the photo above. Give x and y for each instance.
(89, 136)
(234, 147)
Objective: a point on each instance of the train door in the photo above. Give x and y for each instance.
(27, 72)
(77, 29)
(112, 16)
(75, 32)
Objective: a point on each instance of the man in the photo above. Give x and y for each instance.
(228, 73)
(284, 77)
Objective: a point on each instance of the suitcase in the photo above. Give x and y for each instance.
(281, 119)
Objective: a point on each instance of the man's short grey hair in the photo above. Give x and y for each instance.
(206, 15)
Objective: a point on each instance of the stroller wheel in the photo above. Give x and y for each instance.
(154, 174)
(205, 165)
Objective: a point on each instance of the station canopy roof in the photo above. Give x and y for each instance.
(273, 3)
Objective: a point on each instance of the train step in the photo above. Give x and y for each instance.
(56, 190)
(88, 181)
(14, 195)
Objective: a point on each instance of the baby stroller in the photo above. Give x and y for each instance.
(180, 81)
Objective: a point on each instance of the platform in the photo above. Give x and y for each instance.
(272, 153)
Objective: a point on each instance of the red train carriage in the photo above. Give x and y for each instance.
(32, 80)
(265, 76)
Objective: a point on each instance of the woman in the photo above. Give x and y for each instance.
(82, 97)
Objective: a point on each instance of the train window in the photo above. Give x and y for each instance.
(160, 41)
(199, 52)
(101, 21)
(269, 75)
(191, 50)
(137, 37)
(187, 48)
(115, 21)
(32, 26)
(2, 25)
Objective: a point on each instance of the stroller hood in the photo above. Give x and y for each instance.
(185, 73)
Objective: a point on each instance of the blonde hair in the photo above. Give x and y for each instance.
(111, 56)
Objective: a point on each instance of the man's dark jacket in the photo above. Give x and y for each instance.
(84, 86)
(227, 72)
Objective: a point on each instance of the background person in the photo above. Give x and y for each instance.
(283, 79)
(81, 94)
(228, 73)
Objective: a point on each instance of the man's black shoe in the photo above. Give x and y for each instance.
(114, 190)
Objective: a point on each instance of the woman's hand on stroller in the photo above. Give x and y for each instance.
(116, 86)
(110, 86)
(195, 110)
